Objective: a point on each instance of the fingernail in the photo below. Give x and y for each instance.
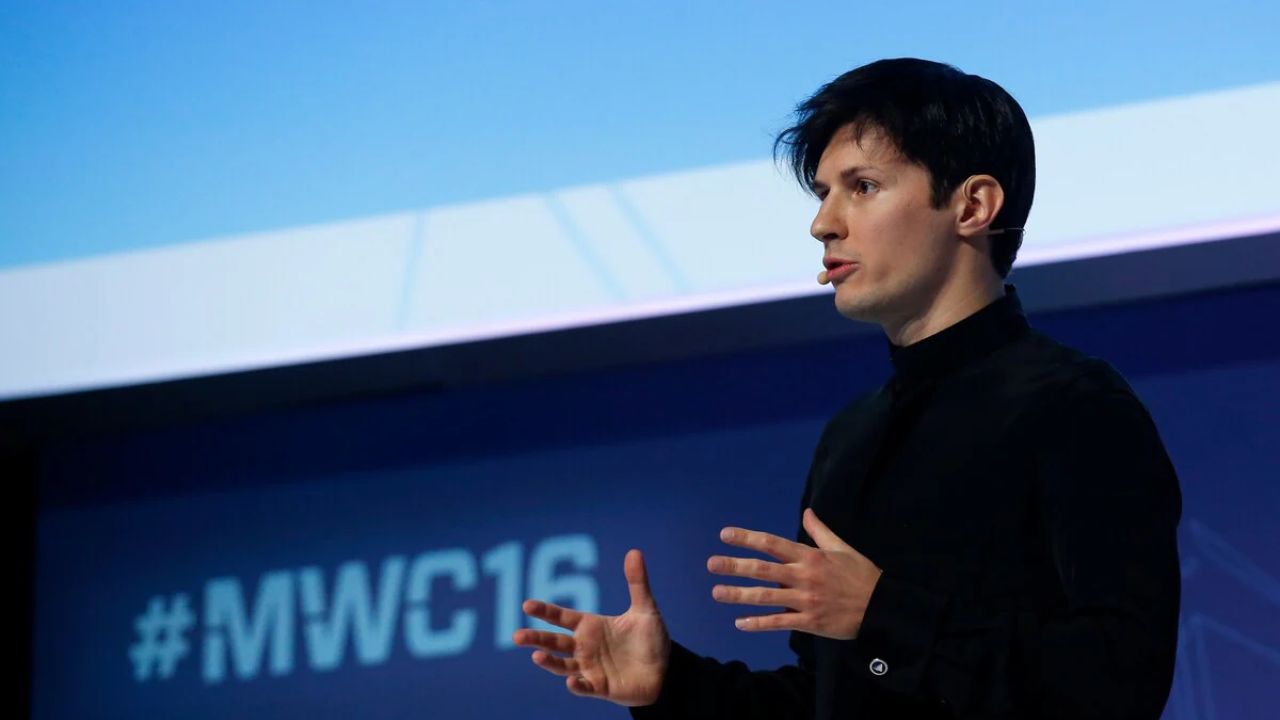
(726, 534)
(740, 622)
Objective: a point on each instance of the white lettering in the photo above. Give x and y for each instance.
(422, 640)
(370, 622)
(268, 631)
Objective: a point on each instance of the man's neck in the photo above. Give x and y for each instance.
(948, 308)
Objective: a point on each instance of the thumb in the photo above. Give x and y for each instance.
(821, 534)
(638, 582)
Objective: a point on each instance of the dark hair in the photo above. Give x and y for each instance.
(951, 123)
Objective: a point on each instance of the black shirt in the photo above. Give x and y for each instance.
(1023, 508)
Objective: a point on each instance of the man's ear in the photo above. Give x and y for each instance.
(977, 200)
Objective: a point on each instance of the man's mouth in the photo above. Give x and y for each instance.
(839, 271)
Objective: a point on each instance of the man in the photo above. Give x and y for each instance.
(991, 533)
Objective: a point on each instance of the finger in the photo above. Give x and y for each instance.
(768, 543)
(770, 597)
(579, 685)
(638, 581)
(555, 665)
(553, 641)
(563, 617)
(749, 568)
(822, 535)
(776, 621)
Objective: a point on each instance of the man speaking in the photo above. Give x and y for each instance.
(989, 534)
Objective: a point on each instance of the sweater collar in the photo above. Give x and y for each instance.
(961, 343)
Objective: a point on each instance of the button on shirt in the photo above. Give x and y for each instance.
(1022, 506)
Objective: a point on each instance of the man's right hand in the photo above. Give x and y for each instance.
(619, 658)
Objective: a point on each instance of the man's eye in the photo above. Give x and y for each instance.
(865, 187)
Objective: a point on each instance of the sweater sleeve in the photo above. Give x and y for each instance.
(1108, 499)
(703, 688)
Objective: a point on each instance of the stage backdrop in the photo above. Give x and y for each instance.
(368, 559)
(190, 189)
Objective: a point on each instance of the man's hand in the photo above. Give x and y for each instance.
(825, 588)
(619, 658)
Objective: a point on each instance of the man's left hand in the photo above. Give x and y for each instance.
(825, 589)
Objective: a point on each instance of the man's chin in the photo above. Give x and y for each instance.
(859, 317)
(860, 312)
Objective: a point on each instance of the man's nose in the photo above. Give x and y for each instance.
(825, 227)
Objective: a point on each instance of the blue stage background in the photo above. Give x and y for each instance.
(473, 496)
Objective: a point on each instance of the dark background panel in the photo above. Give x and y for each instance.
(656, 455)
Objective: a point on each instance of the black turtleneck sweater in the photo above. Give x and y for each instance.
(1023, 508)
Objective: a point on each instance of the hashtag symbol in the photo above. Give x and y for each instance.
(161, 637)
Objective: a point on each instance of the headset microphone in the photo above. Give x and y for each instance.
(822, 278)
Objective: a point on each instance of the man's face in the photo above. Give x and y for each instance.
(875, 212)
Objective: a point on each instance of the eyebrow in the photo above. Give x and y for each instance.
(845, 175)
